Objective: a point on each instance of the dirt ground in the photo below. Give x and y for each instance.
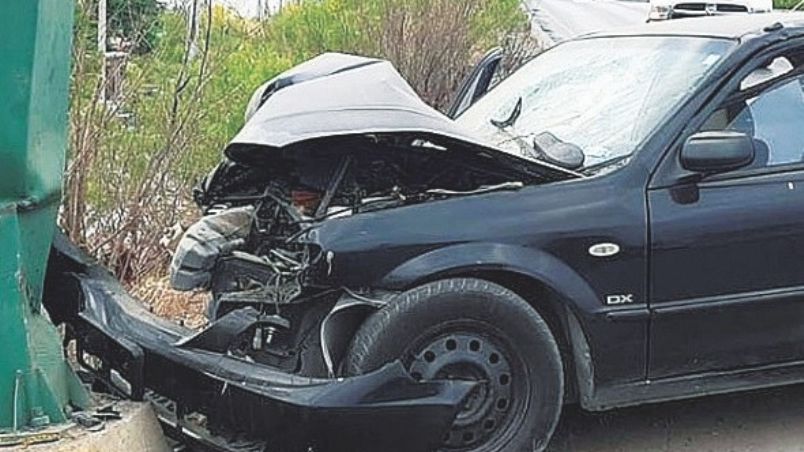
(767, 420)
(184, 308)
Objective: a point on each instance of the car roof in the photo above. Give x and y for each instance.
(737, 27)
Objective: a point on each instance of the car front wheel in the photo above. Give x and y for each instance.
(471, 329)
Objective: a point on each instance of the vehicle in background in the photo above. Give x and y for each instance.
(678, 9)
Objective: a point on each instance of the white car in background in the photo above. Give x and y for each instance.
(676, 9)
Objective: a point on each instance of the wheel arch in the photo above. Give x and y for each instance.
(549, 285)
(536, 264)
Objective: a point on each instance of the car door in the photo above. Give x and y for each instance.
(727, 250)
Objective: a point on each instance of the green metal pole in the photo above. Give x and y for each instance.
(37, 386)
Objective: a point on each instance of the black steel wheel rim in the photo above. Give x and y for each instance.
(475, 352)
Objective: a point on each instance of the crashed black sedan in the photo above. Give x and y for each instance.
(616, 223)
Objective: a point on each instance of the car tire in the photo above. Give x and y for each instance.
(468, 328)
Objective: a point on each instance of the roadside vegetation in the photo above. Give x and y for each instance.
(785, 4)
(143, 137)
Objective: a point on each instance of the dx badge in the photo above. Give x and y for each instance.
(612, 300)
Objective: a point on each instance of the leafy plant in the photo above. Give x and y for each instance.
(135, 21)
(785, 4)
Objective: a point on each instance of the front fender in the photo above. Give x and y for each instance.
(462, 258)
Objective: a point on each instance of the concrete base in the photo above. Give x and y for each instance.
(139, 430)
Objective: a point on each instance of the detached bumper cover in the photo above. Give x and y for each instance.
(385, 410)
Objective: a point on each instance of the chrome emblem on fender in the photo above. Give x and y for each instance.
(604, 249)
(613, 300)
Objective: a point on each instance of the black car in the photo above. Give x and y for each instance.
(619, 222)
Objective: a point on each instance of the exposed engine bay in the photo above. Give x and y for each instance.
(280, 180)
(349, 176)
(245, 250)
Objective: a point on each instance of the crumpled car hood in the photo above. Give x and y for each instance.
(337, 95)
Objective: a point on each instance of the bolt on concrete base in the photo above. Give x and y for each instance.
(138, 430)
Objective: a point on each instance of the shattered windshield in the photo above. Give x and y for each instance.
(601, 96)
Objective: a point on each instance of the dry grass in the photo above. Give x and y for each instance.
(185, 308)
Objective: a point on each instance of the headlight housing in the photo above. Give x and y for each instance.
(204, 242)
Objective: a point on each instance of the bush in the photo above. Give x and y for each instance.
(136, 21)
(785, 4)
(131, 24)
(432, 42)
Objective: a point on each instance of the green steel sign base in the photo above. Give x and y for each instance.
(37, 386)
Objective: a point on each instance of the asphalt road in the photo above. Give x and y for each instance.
(563, 19)
(761, 421)
(769, 420)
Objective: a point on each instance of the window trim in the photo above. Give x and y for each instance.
(756, 91)
(796, 74)
(670, 173)
(753, 173)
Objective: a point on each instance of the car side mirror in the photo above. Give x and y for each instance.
(718, 151)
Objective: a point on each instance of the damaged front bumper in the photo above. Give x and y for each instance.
(138, 353)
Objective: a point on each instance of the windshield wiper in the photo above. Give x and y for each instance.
(511, 120)
(477, 191)
(604, 164)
